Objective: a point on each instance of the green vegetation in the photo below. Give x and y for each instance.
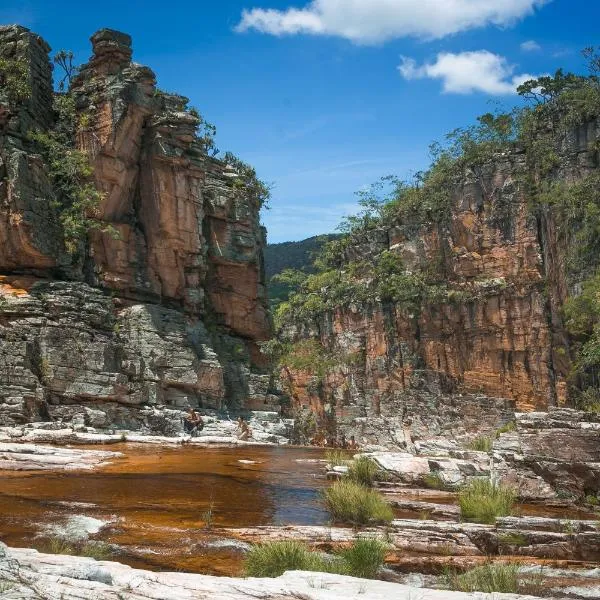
(490, 578)
(513, 539)
(285, 263)
(506, 428)
(434, 481)
(363, 470)
(349, 502)
(358, 269)
(90, 549)
(275, 558)
(481, 444)
(14, 79)
(337, 457)
(77, 198)
(482, 501)
(497, 578)
(364, 558)
(256, 190)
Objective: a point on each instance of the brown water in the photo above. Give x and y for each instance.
(155, 499)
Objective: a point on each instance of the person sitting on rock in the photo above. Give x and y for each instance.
(245, 432)
(352, 445)
(193, 422)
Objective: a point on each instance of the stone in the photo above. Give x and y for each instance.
(170, 305)
(60, 576)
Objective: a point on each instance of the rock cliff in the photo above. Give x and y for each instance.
(486, 336)
(160, 301)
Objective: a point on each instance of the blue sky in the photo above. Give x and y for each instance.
(324, 97)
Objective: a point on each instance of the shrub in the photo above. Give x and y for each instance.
(363, 470)
(364, 558)
(489, 578)
(275, 558)
(90, 549)
(481, 444)
(350, 502)
(482, 501)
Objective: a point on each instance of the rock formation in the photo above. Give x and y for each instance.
(466, 361)
(162, 302)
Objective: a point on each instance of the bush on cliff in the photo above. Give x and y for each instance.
(14, 79)
(482, 501)
(350, 502)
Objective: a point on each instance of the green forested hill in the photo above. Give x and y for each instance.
(290, 255)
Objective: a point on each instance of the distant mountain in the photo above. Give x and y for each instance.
(291, 255)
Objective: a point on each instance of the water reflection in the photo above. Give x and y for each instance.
(155, 500)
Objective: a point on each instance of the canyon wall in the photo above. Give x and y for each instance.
(163, 302)
(462, 364)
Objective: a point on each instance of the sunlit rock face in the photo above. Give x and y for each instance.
(163, 304)
(464, 365)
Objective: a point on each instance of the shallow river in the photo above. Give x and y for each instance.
(152, 502)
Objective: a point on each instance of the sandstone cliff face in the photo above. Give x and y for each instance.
(465, 364)
(165, 302)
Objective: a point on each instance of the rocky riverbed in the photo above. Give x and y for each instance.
(161, 506)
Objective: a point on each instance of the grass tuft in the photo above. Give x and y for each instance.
(482, 501)
(273, 559)
(481, 444)
(350, 502)
(337, 457)
(90, 549)
(491, 578)
(363, 470)
(364, 558)
(434, 481)
(506, 428)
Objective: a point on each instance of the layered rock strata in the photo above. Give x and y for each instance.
(460, 364)
(164, 302)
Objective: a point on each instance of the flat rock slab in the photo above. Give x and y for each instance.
(32, 457)
(70, 436)
(35, 576)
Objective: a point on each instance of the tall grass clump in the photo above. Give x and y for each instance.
(363, 470)
(88, 548)
(273, 559)
(337, 457)
(350, 502)
(364, 558)
(491, 578)
(482, 501)
(434, 481)
(481, 444)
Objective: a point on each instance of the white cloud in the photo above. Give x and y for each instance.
(373, 21)
(467, 72)
(530, 46)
